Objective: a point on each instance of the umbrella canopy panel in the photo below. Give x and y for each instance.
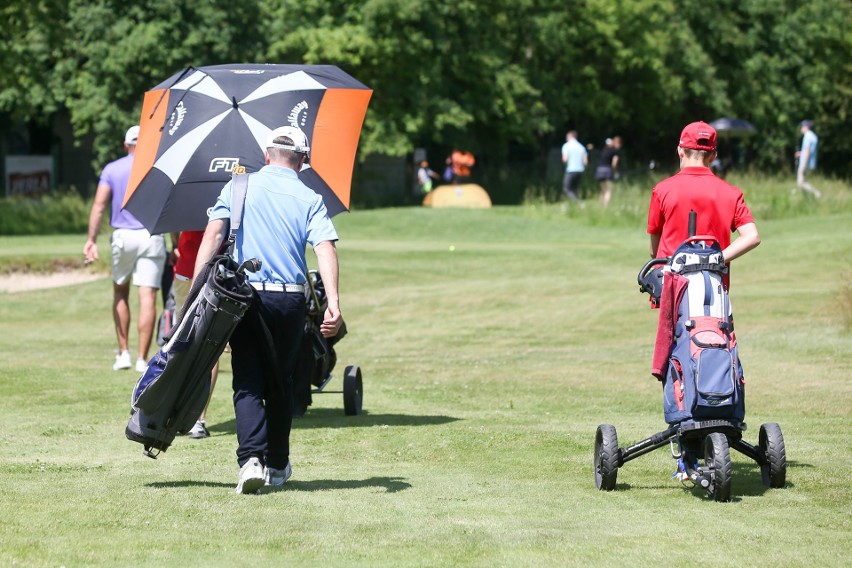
(200, 123)
(733, 127)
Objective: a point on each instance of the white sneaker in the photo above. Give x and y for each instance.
(199, 431)
(122, 361)
(141, 365)
(278, 477)
(252, 477)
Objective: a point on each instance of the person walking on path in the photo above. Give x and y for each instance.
(720, 207)
(607, 169)
(807, 157)
(136, 253)
(576, 158)
(281, 216)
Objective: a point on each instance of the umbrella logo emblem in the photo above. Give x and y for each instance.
(177, 118)
(223, 164)
(298, 115)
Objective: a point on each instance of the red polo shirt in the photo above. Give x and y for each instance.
(719, 206)
(188, 246)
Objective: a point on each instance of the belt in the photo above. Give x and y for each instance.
(278, 287)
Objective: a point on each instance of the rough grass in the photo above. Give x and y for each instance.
(487, 369)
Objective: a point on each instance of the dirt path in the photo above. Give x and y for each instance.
(25, 282)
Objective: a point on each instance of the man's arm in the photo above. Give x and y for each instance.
(102, 197)
(803, 158)
(747, 239)
(328, 268)
(655, 245)
(214, 234)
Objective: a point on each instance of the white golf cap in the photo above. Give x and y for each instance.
(132, 135)
(300, 141)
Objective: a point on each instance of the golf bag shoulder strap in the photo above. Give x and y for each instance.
(239, 189)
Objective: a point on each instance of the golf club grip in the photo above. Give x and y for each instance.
(692, 219)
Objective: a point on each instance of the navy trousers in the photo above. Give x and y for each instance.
(263, 386)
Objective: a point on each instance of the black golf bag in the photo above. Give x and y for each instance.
(170, 396)
(316, 353)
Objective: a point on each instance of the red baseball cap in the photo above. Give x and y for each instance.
(698, 136)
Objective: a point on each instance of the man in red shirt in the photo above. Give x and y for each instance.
(720, 207)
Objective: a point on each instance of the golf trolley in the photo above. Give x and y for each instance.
(708, 440)
(317, 358)
(704, 406)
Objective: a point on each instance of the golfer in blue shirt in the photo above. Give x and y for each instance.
(281, 216)
(575, 158)
(807, 157)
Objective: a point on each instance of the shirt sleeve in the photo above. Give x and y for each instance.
(222, 208)
(106, 176)
(742, 214)
(320, 227)
(655, 215)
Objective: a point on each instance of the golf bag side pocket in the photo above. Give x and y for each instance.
(720, 389)
(714, 383)
(677, 395)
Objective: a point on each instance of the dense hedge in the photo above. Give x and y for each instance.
(49, 215)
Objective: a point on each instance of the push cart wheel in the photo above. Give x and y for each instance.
(606, 457)
(717, 462)
(771, 443)
(353, 391)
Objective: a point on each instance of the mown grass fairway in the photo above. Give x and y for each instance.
(486, 371)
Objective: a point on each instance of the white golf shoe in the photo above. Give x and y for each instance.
(252, 477)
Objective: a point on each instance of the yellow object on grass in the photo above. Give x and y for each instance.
(468, 195)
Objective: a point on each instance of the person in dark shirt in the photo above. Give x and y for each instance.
(607, 169)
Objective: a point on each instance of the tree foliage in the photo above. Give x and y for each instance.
(489, 76)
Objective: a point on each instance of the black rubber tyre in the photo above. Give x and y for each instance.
(606, 457)
(771, 443)
(717, 462)
(353, 391)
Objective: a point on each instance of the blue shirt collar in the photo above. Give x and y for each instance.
(280, 170)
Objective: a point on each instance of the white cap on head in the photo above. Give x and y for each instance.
(300, 141)
(132, 135)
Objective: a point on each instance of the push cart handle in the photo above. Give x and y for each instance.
(649, 265)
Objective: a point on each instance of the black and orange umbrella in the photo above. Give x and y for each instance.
(200, 123)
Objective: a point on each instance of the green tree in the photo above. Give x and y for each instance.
(96, 58)
(504, 78)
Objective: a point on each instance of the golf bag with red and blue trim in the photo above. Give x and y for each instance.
(696, 352)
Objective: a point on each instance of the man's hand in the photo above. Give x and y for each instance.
(90, 251)
(173, 257)
(331, 322)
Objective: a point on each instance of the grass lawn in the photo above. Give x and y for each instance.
(486, 369)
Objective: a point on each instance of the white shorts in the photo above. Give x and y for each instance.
(138, 252)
